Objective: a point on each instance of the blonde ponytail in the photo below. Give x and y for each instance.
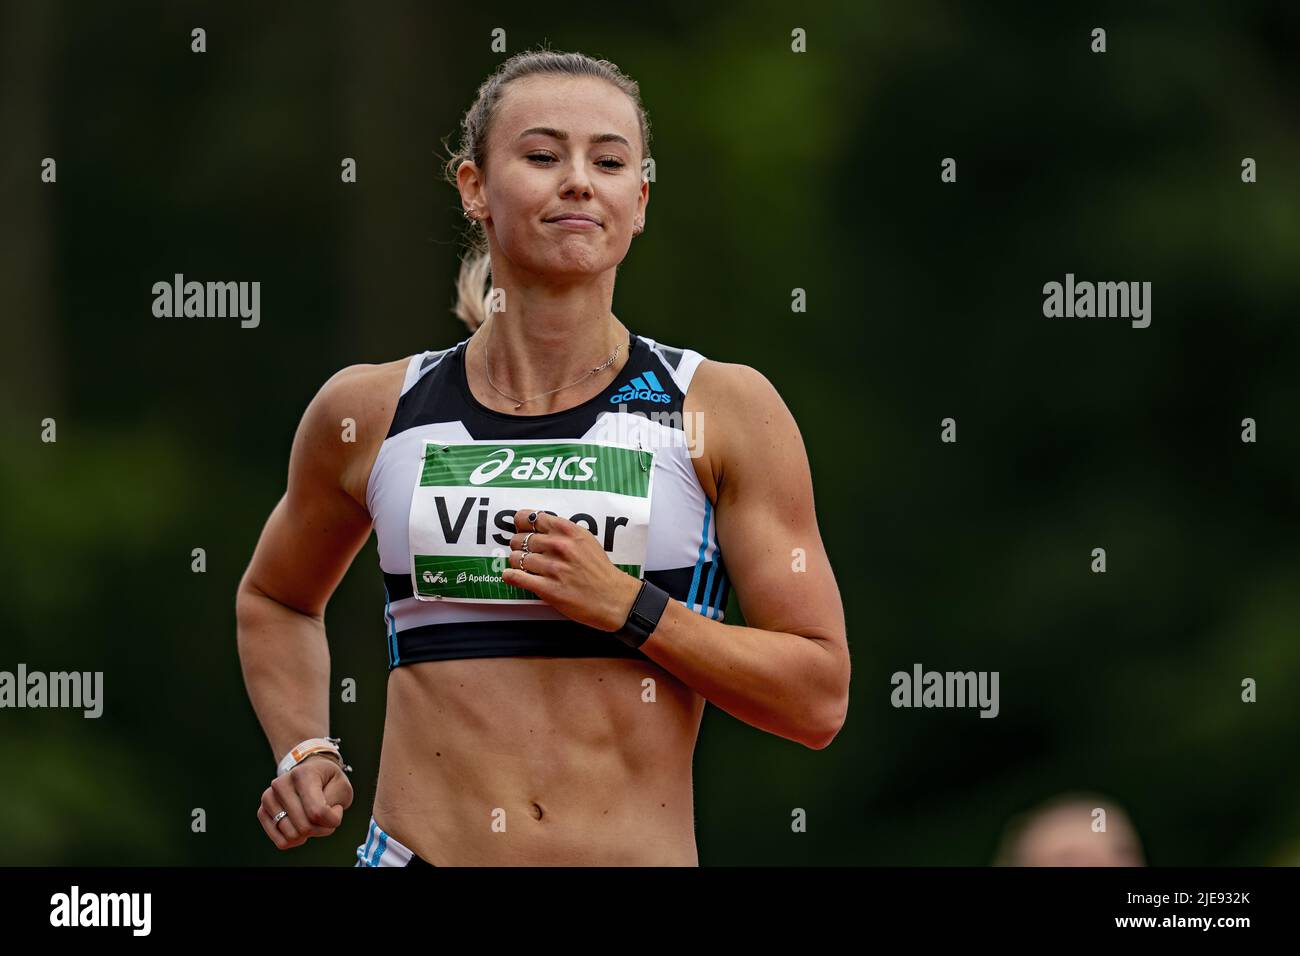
(473, 288)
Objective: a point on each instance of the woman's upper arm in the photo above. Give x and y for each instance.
(766, 521)
(321, 522)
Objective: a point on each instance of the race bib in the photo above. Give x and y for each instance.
(466, 495)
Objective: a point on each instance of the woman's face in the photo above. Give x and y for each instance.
(559, 145)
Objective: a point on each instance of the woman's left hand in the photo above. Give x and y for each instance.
(568, 569)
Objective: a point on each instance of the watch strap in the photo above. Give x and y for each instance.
(644, 617)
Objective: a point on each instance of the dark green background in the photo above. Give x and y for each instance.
(774, 171)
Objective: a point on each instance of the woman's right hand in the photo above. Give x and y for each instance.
(316, 792)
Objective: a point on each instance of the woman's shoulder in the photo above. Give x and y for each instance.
(696, 373)
(743, 412)
(363, 386)
(346, 422)
(731, 385)
(373, 383)
(358, 401)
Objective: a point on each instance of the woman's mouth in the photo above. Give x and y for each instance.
(574, 221)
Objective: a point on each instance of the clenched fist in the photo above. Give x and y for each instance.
(315, 793)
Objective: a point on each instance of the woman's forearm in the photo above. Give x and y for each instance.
(791, 685)
(285, 660)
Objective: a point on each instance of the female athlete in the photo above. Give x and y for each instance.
(552, 498)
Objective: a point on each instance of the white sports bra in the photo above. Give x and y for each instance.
(451, 473)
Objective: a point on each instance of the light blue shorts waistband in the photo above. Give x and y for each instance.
(380, 849)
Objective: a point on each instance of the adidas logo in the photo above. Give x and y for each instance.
(645, 388)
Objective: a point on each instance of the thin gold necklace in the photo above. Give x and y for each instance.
(520, 401)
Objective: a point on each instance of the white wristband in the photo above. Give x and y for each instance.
(305, 749)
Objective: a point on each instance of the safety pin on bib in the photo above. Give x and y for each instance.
(425, 453)
(641, 456)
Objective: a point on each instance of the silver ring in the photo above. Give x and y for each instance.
(522, 558)
(279, 816)
(526, 537)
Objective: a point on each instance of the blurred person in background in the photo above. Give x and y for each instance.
(1066, 831)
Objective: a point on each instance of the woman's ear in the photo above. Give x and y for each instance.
(642, 202)
(469, 181)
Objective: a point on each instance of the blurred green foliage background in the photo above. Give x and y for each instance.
(775, 170)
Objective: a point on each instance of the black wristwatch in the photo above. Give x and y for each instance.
(644, 616)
